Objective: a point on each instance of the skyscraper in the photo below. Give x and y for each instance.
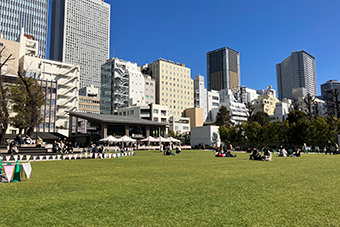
(30, 15)
(80, 31)
(223, 69)
(296, 71)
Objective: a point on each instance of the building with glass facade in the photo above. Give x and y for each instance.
(80, 35)
(32, 15)
(296, 71)
(223, 69)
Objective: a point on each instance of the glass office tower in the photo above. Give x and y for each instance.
(32, 15)
(80, 31)
(223, 69)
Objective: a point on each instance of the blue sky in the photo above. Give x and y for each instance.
(264, 32)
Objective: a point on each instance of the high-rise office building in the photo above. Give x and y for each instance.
(30, 15)
(296, 71)
(174, 86)
(80, 31)
(223, 69)
(329, 86)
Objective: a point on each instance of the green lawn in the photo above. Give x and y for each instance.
(191, 189)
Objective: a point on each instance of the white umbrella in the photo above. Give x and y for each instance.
(163, 140)
(173, 140)
(149, 139)
(126, 139)
(110, 139)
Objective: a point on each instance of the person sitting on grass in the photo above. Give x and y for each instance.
(69, 147)
(56, 147)
(297, 152)
(282, 152)
(255, 155)
(267, 155)
(178, 150)
(227, 153)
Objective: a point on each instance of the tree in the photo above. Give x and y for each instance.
(333, 104)
(295, 116)
(28, 97)
(250, 112)
(261, 117)
(171, 133)
(223, 117)
(310, 103)
(4, 99)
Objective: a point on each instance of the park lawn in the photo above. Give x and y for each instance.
(191, 189)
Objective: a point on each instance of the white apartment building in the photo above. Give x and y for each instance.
(122, 81)
(209, 101)
(238, 111)
(151, 112)
(67, 77)
(179, 124)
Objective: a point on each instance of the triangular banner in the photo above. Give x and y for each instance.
(81, 156)
(100, 155)
(27, 168)
(28, 157)
(95, 155)
(47, 157)
(75, 156)
(9, 171)
(118, 155)
(41, 157)
(21, 156)
(15, 157)
(53, 157)
(34, 158)
(91, 155)
(105, 155)
(69, 156)
(64, 156)
(8, 157)
(58, 156)
(114, 155)
(86, 155)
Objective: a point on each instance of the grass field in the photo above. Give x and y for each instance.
(191, 189)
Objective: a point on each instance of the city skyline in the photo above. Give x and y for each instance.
(263, 32)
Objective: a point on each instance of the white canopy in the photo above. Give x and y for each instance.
(174, 140)
(163, 140)
(126, 139)
(110, 139)
(149, 139)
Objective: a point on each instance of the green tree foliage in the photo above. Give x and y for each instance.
(27, 97)
(295, 116)
(171, 133)
(223, 117)
(260, 117)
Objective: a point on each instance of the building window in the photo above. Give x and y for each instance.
(132, 112)
(151, 97)
(155, 111)
(147, 96)
(147, 83)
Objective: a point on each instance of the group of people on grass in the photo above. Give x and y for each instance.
(12, 146)
(63, 146)
(255, 155)
(223, 151)
(167, 151)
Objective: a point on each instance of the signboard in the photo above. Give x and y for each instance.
(137, 136)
